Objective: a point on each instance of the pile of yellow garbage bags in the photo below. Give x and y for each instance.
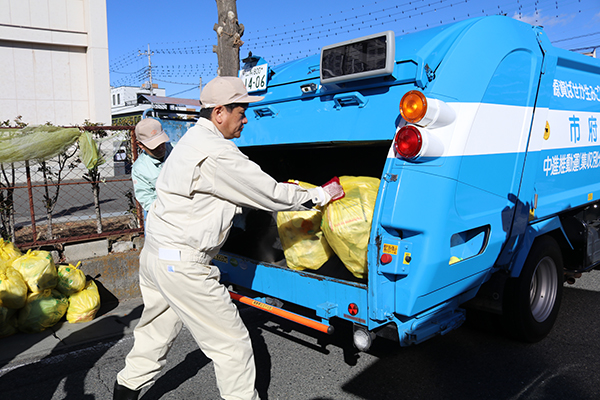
(35, 294)
(310, 238)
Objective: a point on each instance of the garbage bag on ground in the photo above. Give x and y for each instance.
(303, 242)
(347, 222)
(8, 321)
(42, 310)
(13, 289)
(38, 270)
(70, 279)
(84, 304)
(8, 252)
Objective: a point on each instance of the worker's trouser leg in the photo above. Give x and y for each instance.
(187, 291)
(155, 332)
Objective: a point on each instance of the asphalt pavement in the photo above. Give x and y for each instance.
(112, 320)
(115, 319)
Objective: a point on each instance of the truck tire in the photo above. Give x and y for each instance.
(531, 301)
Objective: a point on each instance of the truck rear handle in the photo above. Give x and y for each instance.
(283, 313)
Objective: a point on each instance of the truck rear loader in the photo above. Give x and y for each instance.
(485, 139)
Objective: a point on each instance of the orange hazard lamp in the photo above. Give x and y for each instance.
(413, 106)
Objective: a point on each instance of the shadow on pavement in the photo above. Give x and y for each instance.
(480, 362)
(174, 377)
(47, 373)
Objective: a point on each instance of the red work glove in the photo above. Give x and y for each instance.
(334, 189)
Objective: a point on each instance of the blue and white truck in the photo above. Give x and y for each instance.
(485, 139)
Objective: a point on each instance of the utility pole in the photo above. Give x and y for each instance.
(229, 33)
(149, 54)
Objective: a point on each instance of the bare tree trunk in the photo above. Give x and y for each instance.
(96, 192)
(97, 208)
(229, 33)
(93, 177)
(53, 176)
(47, 201)
(11, 219)
(7, 206)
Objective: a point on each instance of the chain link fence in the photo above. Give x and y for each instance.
(59, 200)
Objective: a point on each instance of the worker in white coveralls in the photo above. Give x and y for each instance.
(203, 184)
(152, 139)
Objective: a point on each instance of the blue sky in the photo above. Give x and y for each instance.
(180, 33)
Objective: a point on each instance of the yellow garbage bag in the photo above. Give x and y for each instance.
(70, 279)
(13, 289)
(84, 304)
(303, 242)
(8, 321)
(347, 222)
(42, 310)
(8, 251)
(38, 270)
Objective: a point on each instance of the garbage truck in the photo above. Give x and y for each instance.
(484, 139)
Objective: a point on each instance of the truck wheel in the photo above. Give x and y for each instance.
(532, 301)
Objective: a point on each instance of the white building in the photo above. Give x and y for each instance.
(54, 61)
(130, 103)
(126, 101)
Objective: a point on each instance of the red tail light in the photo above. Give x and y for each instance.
(408, 142)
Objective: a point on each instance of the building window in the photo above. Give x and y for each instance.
(118, 98)
(113, 99)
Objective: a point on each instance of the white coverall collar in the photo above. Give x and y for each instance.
(209, 125)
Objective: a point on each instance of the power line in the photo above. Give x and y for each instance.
(177, 83)
(307, 36)
(184, 91)
(576, 37)
(586, 48)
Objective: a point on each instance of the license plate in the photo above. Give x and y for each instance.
(255, 78)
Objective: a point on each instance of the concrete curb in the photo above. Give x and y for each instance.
(117, 275)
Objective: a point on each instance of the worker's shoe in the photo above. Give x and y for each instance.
(123, 393)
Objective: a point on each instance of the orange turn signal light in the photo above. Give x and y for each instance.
(413, 106)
